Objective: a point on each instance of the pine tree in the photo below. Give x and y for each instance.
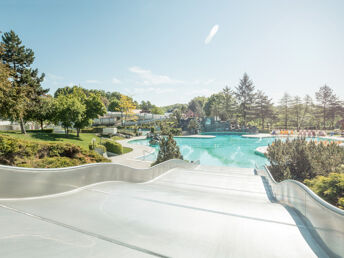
(245, 96)
(263, 108)
(324, 96)
(228, 106)
(168, 150)
(285, 103)
(26, 80)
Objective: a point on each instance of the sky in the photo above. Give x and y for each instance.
(171, 51)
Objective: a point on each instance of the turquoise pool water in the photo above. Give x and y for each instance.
(224, 150)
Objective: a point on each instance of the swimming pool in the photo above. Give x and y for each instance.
(223, 150)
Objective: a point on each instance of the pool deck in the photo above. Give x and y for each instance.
(131, 158)
(196, 136)
(262, 150)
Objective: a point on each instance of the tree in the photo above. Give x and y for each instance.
(307, 109)
(156, 110)
(42, 111)
(228, 106)
(114, 105)
(296, 109)
(245, 93)
(213, 105)
(177, 114)
(196, 106)
(324, 96)
(126, 106)
(263, 108)
(285, 103)
(168, 150)
(68, 110)
(94, 108)
(193, 126)
(25, 80)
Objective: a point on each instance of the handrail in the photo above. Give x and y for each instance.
(324, 220)
(18, 182)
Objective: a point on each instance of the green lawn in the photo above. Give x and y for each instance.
(83, 141)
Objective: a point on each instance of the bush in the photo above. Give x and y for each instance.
(17, 152)
(53, 162)
(88, 130)
(100, 147)
(330, 188)
(113, 147)
(298, 159)
(40, 131)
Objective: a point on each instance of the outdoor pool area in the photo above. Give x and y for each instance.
(223, 150)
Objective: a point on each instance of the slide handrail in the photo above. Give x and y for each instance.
(324, 220)
(18, 182)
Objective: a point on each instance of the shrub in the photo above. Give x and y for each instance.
(52, 162)
(113, 147)
(100, 147)
(126, 132)
(40, 131)
(168, 150)
(17, 152)
(298, 159)
(88, 130)
(330, 188)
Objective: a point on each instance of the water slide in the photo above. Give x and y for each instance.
(175, 209)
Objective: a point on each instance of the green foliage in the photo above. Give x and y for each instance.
(126, 132)
(330, 188)
(298, 159)
(157, 110)
(193, 126)
(113, 146)
(114, 105)
(168, 150)
(18, 152)
(25, 88)
(41, 131)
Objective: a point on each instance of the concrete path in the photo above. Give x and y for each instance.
(131, 158)
(204, 212)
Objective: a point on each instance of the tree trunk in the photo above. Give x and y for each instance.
(324, 114)
(22, 126)
(42, 125)
(77, 132)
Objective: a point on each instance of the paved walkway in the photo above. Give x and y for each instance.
(130, 159)
(203, 212)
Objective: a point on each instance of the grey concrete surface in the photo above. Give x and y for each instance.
(325, 221)
(185, 212)
(131, 158)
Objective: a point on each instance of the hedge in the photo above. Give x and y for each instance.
(113, 147)
(40, 131)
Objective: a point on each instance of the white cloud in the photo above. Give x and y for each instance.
(93, 81)
(115, 81)
(211, 34)
(149, 78)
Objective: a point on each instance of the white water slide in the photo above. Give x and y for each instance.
(172, 210)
